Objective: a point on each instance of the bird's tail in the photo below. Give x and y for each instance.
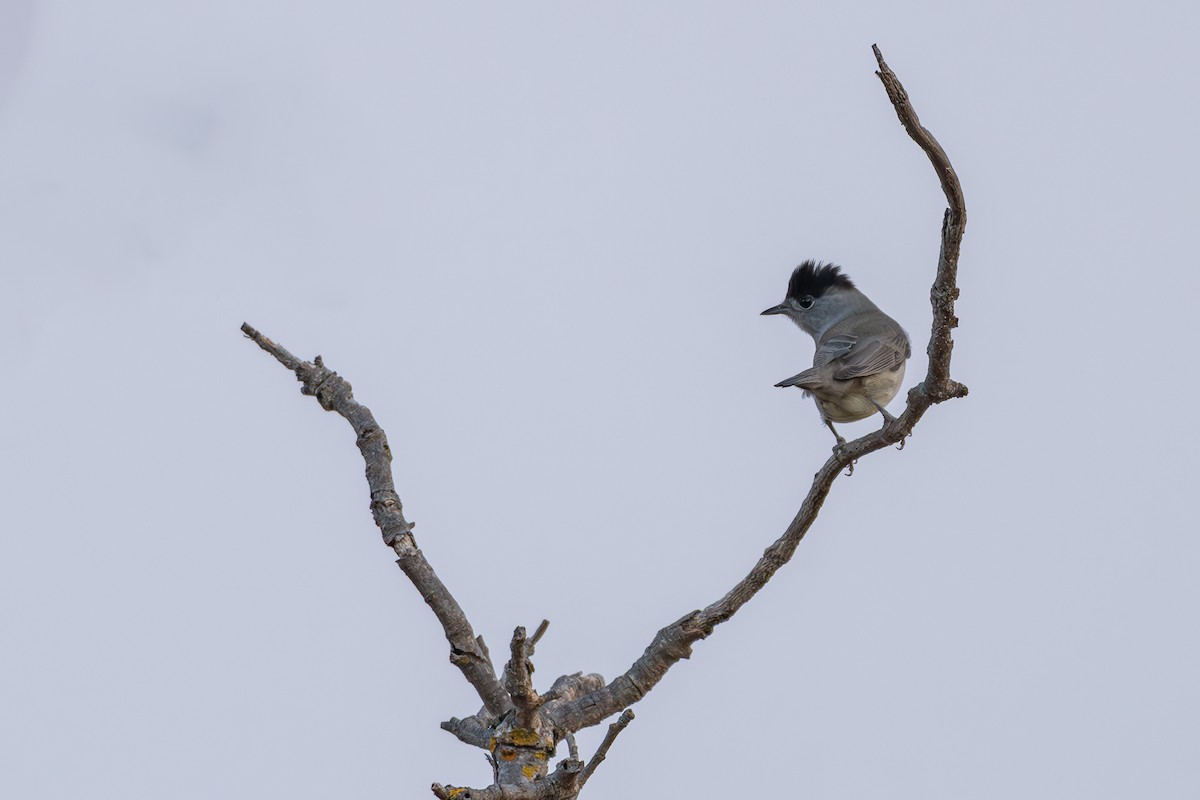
(805, 380)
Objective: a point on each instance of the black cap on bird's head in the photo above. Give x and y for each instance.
(813, 279)
(810, 281)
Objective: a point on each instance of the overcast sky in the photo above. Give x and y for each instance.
(536, 238)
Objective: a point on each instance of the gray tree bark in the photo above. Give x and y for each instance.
(521, 729)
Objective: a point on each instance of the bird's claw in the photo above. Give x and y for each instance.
(839, 453)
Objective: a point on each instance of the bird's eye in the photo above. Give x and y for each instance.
(806, 301)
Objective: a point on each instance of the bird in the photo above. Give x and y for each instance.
(861, 351)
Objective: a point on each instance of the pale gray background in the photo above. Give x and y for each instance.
(536, 237)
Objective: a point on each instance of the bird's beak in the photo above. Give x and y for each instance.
(779, 309)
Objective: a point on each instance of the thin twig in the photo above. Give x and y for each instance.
(537, 635)
(675, 641)
(572, 746)
(602, 752)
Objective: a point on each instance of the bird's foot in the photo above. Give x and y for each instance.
(888, 422)
(839, 452)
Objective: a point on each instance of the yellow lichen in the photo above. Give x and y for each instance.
(530, 771)
(523, 737)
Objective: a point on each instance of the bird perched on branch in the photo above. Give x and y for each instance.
(861, 351)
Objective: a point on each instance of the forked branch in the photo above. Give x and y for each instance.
(521, 728)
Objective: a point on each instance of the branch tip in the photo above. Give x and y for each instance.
(538, 634)
(602, 751)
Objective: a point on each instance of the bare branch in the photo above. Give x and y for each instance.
(675, 641)
(602, 751)
(334, 394)
(519, 728)
(945, 286)
(921, 135)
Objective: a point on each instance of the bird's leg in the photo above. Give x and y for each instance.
(883, 411)
(829, 424)
(841, 442)
(837, 448)
(888, 420)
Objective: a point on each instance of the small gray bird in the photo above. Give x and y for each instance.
(859, 363)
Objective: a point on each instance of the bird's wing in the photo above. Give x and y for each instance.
(835, 346)
(873, 354)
